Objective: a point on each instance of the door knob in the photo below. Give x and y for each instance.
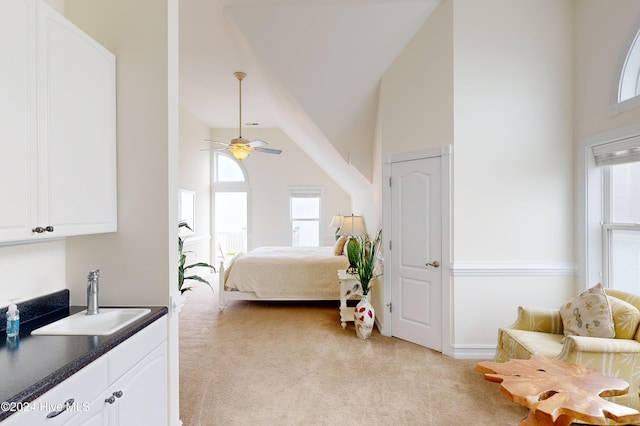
(435, 264)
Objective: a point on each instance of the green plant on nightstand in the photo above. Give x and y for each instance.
(182, 268)
(366, 261)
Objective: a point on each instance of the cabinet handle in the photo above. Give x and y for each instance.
(40, 229)
(112, 398)
(68, 403)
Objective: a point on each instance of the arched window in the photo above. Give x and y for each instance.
(227, 169)
(230, 190)
(629, 83)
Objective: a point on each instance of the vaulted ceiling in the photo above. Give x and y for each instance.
(313, 69)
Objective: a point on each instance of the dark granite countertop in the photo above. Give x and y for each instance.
(33, 365)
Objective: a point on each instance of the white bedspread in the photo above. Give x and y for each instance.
(287, 272)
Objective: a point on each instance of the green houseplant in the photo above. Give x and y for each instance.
(366, 265)
(182, 268)
(366, 260)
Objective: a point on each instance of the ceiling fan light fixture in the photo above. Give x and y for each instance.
(240, 147)
(239, 152)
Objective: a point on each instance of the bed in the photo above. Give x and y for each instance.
(282, 273)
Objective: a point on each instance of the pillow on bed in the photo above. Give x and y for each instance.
(338, 249)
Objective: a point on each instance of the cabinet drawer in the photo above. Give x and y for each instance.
(82, 387)
(128, 353)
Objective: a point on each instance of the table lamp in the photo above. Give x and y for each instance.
(352, 227)
(336, 222)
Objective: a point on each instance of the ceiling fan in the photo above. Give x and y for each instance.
(240, 147)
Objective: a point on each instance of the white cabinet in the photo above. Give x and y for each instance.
(137, 393)
(57, 126)
(139, 397)
(69, 400)
(126, 386)
(18, 161)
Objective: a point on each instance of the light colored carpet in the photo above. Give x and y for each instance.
(293, 364)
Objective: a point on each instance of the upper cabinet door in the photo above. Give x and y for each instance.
(77, 129)
(18, 189)
(57, 127)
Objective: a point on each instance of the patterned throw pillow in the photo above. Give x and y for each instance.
(588, 314)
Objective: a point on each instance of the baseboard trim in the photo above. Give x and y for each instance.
(482, 352)
(381, 328)
(483, 269)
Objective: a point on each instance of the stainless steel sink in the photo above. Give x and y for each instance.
(108, 321)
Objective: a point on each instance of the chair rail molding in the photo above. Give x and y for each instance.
(491, 268)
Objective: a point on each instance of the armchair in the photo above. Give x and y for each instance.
(539, 331)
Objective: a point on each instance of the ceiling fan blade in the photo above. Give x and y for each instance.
(220, 143)
(214, 149)
(257, 143)
(269, 150)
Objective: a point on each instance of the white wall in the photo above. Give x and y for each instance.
(270, 179)
(31, 270)
(133, 259)
(416, 92)
(603, 34)
(139, 261)
(194, 175)
(494, 78)
(513, 161)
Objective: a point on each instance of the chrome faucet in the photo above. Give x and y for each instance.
(92, 292)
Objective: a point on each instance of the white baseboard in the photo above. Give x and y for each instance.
(381, 328)
(482, 352)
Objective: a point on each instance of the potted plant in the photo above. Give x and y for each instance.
(366, 260)
(182, 268)
(366, 270)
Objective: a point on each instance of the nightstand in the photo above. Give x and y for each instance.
(349, 289)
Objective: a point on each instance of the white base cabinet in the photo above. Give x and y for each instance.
(126, 386)
(57, 126)
(139, 397)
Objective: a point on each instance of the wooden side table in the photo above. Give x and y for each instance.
(558, 392)
(349, 289)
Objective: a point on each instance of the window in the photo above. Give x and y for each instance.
(618, 164)
(230, 207)
(226, 169)
(304, 207)
(629, 78)
(621, 226)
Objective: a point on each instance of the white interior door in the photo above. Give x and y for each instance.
(416, 279)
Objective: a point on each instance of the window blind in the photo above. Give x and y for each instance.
(618, 152)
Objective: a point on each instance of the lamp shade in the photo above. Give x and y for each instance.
(336, 222)
(352, 226)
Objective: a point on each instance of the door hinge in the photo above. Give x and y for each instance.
(389, 181)
(389, 244)
(390, 307)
